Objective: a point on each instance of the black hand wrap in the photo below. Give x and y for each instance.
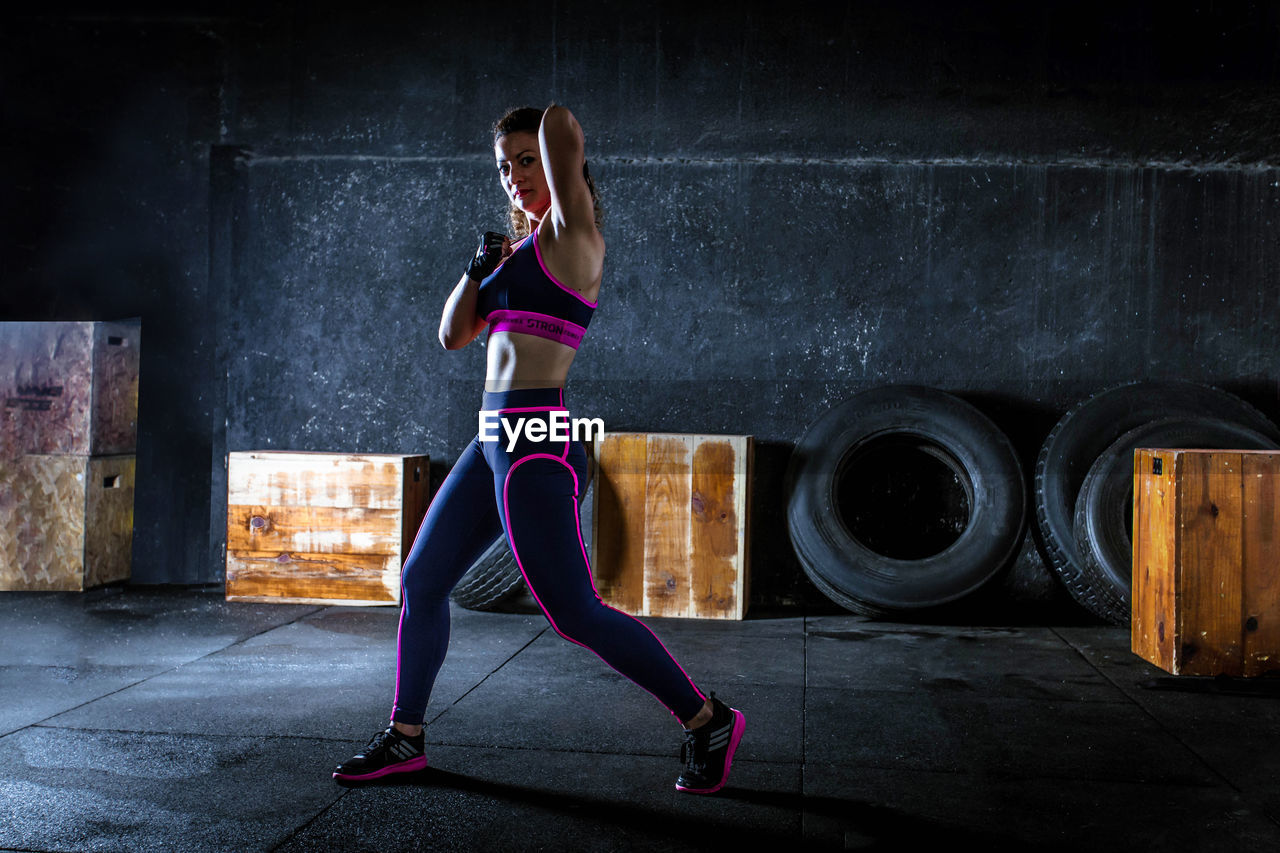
(488, 256)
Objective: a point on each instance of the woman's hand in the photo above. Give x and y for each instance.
(493, 250)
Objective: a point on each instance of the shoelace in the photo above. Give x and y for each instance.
(689, 751)
(693, 758)
(377, 741)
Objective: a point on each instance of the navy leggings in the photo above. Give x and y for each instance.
(530, 493)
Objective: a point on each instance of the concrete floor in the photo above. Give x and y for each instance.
(151, 719)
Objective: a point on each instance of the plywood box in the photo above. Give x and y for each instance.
(1206, 561)
(321, 527)
(670, 524)
(66, 522)
(69, 388)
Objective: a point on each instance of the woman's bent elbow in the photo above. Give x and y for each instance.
(453, 340)
(452, 337)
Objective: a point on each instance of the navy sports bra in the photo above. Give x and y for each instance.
(522, 296)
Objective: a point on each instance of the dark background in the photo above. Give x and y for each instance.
(1018, 203)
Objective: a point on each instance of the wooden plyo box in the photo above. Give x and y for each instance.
(315, 528)
(66, 522)
(1206, 561)
(69, 388)
(670, 524)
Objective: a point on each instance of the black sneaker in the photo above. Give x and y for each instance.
(708, 750)
(388, 752)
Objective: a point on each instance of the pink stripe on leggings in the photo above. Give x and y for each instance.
(578, 527)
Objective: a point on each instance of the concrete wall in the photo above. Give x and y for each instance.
(1020, 205)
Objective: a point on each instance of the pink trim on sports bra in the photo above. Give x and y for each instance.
(540, 325)
(537, 250)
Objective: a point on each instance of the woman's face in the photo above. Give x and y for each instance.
(520, 168)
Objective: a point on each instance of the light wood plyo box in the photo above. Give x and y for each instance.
(670, 524)
(66, 522)
(320, 528)
(1206, 561)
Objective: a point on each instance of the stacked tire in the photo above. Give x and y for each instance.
(1084, 476)
(838, 538)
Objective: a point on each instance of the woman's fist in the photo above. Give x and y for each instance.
(494, 248)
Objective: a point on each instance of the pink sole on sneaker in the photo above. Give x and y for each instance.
(739, 726)
(410, 766)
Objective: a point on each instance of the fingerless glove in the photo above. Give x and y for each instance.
(488, 256)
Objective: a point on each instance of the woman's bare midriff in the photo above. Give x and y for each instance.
(525, 361)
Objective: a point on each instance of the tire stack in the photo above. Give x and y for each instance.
(1082, 492)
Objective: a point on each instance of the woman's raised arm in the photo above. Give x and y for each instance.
(562, 147)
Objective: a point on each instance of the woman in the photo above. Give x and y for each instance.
(537, 296)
